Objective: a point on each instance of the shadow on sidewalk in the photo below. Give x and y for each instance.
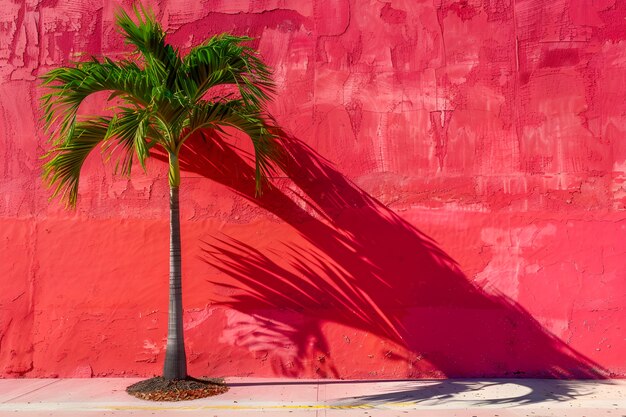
(479, 392)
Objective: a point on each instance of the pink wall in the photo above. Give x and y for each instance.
(457, 202)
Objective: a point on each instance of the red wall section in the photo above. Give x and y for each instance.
(454, 202)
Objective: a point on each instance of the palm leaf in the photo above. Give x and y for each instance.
(224, 60)
(70, 86)
(147, 35)
(162, 62)
(130, 132)
(235, 113)
(62, 171)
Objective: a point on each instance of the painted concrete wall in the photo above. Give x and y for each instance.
(456, 200)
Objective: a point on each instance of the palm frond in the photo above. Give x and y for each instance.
(62, 170)
(131, 131)
(224, 59)
(146, 34)
(70, 86)
(235, 113)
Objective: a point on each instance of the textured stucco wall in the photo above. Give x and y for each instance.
(456, 207)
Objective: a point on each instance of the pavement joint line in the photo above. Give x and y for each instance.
(317, 392)
(54, 381)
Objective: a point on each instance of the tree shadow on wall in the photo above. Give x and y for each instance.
(365, 268)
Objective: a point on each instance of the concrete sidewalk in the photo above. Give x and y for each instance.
(248, 397)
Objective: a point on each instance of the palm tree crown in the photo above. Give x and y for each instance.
(162, 103)
(159, 101)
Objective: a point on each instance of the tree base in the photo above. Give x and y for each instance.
(161, 389)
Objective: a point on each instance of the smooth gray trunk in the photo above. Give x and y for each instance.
(175, 359)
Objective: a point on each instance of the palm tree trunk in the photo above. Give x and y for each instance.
(175, 359)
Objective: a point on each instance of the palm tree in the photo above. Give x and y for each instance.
(158, 99)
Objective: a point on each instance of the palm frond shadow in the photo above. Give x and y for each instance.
(519, 392)
(365, 268)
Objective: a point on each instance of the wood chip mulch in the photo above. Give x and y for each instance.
(161, 389)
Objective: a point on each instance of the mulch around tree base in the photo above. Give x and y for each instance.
(161, 389)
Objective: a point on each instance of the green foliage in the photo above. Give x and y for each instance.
(158, 99)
